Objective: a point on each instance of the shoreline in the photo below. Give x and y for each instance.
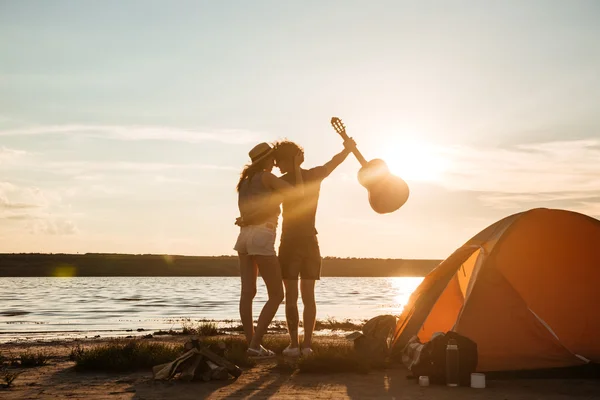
(331, 328)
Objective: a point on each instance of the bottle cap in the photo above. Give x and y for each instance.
(423, 381)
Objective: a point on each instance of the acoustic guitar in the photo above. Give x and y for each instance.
(387, 192)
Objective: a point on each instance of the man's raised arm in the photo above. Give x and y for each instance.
(339, 158)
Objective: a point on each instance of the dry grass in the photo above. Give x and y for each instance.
(335, 325)
(330, 356)
(30, 360)
(204, 328)
(210, 328)
(8, 377)
(120, 355)
(170, 332)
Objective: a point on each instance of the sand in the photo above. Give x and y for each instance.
(58, 380)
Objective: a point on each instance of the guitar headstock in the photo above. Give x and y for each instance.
(339, 126)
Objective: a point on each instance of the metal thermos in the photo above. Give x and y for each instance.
(452, 365)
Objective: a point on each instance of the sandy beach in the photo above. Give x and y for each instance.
(58, 380)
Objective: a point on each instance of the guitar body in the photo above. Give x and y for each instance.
(387, 192)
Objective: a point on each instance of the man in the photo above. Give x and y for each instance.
(299, 253)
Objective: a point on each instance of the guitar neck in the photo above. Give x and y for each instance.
(355, 151)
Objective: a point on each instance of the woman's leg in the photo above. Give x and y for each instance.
(248, 273)
(271, 274)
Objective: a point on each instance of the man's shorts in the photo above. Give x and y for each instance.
(300, 256)
(257, 240)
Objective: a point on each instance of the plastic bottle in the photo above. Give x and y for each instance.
(452, 366)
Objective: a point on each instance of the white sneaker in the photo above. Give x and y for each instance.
(291, 351)
(260, 353)
(307, 351)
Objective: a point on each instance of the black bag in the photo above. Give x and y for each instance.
(432, 359)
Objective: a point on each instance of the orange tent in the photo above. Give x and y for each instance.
(525, 289)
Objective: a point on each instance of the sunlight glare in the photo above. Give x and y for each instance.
(413, 159)
(403, 287)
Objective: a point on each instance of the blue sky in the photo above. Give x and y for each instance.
(124, 124)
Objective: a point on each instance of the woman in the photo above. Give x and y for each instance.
(260, 194)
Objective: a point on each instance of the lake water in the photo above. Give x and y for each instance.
(41, 308)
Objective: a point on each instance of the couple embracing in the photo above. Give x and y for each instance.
(260, 195)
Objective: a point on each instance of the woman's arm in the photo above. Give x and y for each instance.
(276, 184)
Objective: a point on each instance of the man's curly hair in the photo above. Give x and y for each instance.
(286, 149)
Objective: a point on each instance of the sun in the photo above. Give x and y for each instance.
(415, 160)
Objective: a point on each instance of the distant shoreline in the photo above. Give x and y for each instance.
(103, 265)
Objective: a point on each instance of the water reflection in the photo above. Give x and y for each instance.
(125, 303)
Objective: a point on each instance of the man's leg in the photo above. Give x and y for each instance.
(290, 269)
(307, 288)
(291, 310)
(309, 274)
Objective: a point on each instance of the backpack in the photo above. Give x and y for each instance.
(374, 342)
(431, 358)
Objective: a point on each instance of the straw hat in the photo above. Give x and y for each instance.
(259, 152)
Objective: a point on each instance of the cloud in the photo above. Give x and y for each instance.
(81, 167)
(564, 174)
(554, 167)
(16, 217)
(508, 200)
(52, 226)
(5, 203)
(590, 208)
(138, 133)
(14, 198)
(7, 154)
(5, 118)
(30, 209)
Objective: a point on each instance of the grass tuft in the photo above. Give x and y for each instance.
(76, 353)
(8, 378)
(170, 332)
(204, 328)
(208, 329)
(117, 356)
(237, 328)
(30, 360)
(335, 325)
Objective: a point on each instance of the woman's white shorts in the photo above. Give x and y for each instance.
(257, 240)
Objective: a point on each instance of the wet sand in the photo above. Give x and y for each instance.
(58, 380)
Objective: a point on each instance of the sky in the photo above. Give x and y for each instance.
(124, 125)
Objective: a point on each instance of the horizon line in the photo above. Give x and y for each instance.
(206, 256)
